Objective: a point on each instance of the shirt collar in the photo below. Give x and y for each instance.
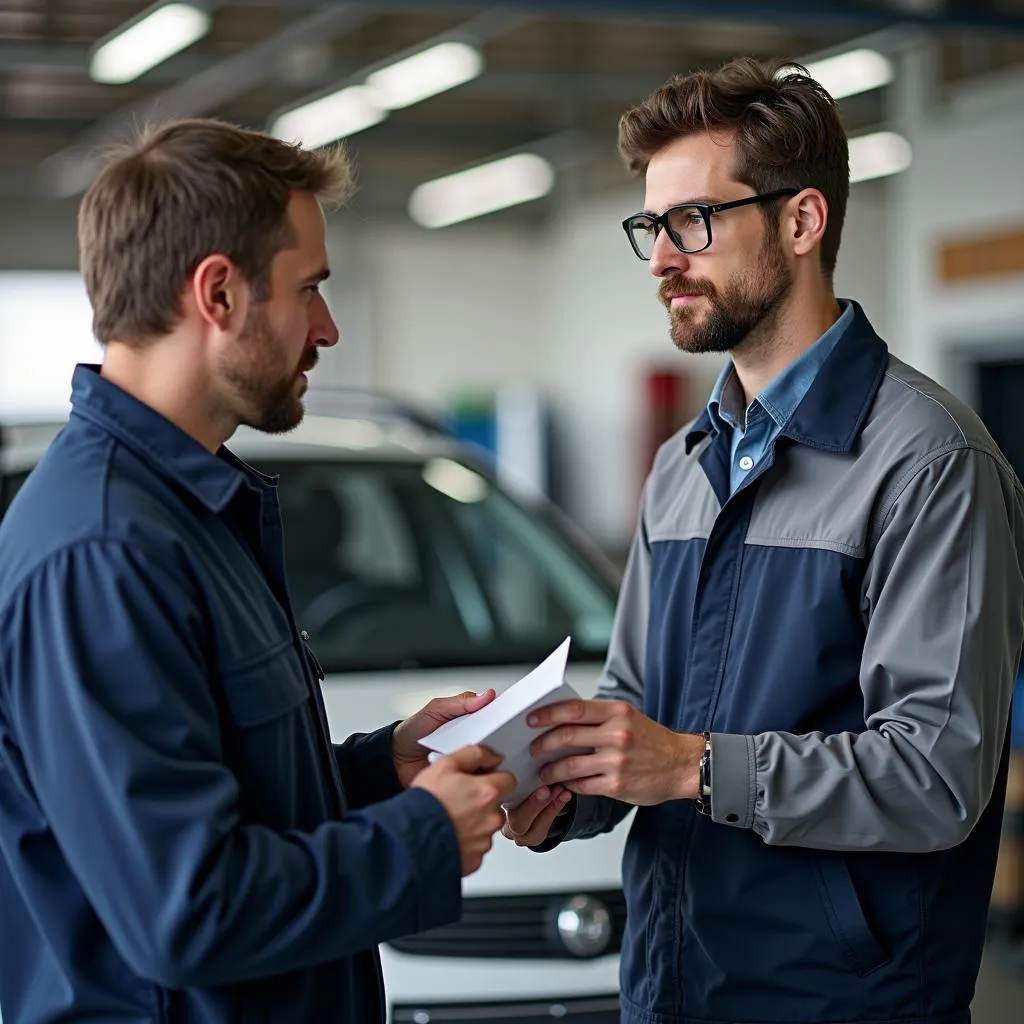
(830, 413)
(213, 479)
(725, 404)
(783, 395)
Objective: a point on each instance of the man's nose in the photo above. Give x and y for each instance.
(323, 331)
(666, 259)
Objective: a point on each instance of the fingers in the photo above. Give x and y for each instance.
(474, 702)
(540, 824)
(582, 712)
(474, 848)
(474, 758)
(504, 782)
(521, 818)
(443, 709)
(578, 766)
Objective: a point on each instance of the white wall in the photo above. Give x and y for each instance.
(967, 178)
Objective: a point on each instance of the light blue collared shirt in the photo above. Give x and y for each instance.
(754, 430)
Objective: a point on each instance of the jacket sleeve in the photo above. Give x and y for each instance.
(622, 679)
(102, 663)
(943, 602)
(367, 769)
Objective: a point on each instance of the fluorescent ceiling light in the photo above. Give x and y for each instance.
(455, 481)
(480, 190)
(425, 74)
(849, 73)
(878, 154)
(148, 42)
(331, 117)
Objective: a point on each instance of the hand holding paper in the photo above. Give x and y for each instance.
(501, 725)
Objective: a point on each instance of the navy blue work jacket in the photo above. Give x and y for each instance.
(180, 840)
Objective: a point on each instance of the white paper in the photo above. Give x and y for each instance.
(501, 725)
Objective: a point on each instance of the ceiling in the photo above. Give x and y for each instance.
(558, 74)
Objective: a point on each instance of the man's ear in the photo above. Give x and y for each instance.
(219, 292)
(808, 219)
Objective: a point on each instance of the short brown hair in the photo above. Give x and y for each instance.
(786, 126)
(178, 193)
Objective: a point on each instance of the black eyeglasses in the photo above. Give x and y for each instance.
(689, 225)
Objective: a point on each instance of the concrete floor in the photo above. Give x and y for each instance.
(999, 998)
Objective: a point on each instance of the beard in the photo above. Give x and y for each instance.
(749, 301)
(270, 399)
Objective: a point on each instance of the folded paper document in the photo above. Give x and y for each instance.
(501, 725)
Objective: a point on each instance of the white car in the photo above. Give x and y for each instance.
(416, 575)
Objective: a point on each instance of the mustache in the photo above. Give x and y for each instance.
(309, 360)
(670, 287)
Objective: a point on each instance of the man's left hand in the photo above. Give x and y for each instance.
(634, 759)
(409, 755)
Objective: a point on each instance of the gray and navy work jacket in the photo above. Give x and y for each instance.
(847, 625)
(180, 842)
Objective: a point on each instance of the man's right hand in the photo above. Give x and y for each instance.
(530, 823)
(472, 800)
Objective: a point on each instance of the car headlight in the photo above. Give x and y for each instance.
(585, 926)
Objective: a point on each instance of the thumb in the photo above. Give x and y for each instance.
(474, 702)
(466, 703)
(476, 758)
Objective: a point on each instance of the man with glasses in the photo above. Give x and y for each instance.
(807, 692)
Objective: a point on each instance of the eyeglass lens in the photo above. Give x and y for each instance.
(687, 224)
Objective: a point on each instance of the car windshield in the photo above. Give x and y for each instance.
(427, 564)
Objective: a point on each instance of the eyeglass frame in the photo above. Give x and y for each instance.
(705, 210)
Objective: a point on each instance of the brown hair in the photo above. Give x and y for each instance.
(786, 126)
(178, 193)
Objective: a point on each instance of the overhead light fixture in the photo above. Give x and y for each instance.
(149, 41)
(331, 117)
(425, 74)
(480, 190)
(852, 72)
(878, 154)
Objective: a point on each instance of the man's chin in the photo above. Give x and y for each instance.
(693, 341)
(282, 419)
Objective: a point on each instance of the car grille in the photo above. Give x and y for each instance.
(517, 926)
(599, 1010)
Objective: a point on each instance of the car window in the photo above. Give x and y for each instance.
(395, 565)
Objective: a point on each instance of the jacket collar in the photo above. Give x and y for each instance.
(833, 411)
(168, 450)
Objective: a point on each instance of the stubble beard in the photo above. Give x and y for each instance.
(271, 402)
(749, 304)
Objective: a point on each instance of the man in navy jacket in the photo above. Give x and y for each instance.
(808, 687)
(180, 839)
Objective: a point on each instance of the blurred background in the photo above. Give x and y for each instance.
(538, 305)
(506, 301)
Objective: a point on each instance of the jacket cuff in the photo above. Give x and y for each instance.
(733, 779)
(367, 768)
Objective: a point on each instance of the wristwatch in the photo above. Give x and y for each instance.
(704, 779)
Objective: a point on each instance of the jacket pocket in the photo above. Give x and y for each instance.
(845, 914)
(267, 687)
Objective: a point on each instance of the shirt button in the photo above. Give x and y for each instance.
(746, 463)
